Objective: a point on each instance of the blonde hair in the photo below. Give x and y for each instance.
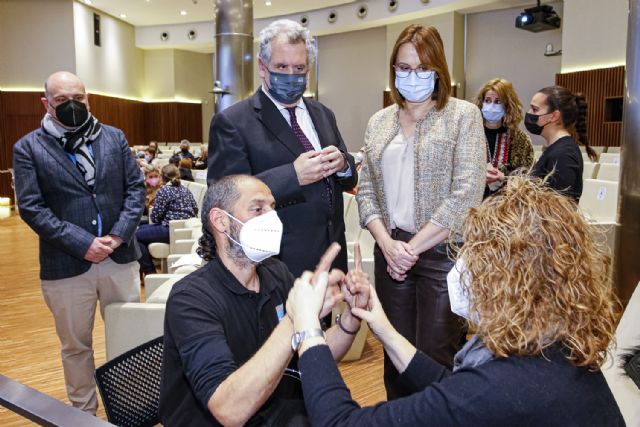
(538, 275)
(508, 97)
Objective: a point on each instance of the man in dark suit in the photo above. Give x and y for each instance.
(79, 189)
(290, 143)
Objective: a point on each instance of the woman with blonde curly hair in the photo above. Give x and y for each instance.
(508, 147)
(533, 282)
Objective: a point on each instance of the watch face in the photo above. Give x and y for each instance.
(295, 341)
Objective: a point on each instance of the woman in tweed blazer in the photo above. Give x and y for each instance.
(424, 167)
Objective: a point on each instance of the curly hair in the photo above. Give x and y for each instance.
(509, 99)
(538, 275)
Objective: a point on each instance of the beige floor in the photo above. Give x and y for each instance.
(29, 349)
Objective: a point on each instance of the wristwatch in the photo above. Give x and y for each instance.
(298, 337)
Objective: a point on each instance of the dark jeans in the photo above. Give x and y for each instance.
(419, 309)
(146, 234)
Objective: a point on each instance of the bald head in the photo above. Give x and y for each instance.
(63, 86)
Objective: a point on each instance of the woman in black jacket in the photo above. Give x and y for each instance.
(560, 117)
(533, 282)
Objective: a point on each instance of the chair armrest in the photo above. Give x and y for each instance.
(159, 250)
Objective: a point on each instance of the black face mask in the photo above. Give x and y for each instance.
(531, 123)
(185, 150)
(72, 113)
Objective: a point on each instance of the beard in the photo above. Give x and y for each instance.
(235, 251)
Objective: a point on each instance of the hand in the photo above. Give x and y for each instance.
(400, 258)
(307, 306)
(309, 167)
(355, 286)
(332, 160)
(375, 317)
(493, 174)
(111, 240)
(98, 251)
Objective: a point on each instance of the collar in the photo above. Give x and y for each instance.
(232, 284)
(279, 106)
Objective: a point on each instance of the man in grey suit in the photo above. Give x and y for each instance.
(79, 189)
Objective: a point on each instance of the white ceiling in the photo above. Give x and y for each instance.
(161, 12)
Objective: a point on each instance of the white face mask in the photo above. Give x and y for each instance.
(458, 295)
(415, 89)
(260, 237)
(492, 112)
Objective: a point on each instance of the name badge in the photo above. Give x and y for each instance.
(280, 312)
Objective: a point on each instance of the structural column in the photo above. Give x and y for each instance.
(234, 52)
(627, 259)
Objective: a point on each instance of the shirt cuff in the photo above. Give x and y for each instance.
(345, 174)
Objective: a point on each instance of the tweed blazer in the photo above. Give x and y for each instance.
(56, 202)
(520, 152)
(449, 168)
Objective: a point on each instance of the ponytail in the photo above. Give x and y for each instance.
(207, 244)
(581, 125)
(175, 182)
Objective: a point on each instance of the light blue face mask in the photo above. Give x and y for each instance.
(415, 89)
(492, 112)
(287, 88)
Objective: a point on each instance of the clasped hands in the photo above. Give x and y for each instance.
(102, 247)
(313, 166)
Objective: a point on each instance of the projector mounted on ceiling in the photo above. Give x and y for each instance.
(539, 18)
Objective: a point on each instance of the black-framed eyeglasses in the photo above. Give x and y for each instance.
(403, 70)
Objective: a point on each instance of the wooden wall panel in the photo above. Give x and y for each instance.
(22, 112)
(598, 86)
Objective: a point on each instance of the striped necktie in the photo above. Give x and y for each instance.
(306, 144)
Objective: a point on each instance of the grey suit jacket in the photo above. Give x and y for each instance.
(56, 202)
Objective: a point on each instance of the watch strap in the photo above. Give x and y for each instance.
(298, 337)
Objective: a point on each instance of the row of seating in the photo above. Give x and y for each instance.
(602, 171)
(604, 154)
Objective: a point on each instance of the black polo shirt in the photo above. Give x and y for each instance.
(213, 325)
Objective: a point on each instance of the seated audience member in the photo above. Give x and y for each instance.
(560, 117)
(153, 145)
(534, 284)
(184, 152)
(173, 201)
(201, 162)
(227, 338)
(152, 183)
(185, 166)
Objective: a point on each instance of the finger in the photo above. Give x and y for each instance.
(327, 258)
(363, 314)
(336, 276)
(357, 257)
(304, 279)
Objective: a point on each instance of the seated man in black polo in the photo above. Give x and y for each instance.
(227, 336)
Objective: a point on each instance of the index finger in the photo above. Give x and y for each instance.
(327, 258)
(357, 256)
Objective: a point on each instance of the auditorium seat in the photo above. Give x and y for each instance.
(127, 325)
(609, 172)
(599, 200)
(613, 150)
(610, 158)
(586, 159)
(589, 170)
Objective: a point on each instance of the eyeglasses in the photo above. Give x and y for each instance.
(403, 70)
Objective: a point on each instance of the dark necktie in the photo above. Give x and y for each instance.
(306, 144)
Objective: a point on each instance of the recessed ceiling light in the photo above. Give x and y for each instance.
(267, 3)
(123, 15)
(183, 12)
(89, 2)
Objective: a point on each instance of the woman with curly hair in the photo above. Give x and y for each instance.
(508, 147)
(534, 284)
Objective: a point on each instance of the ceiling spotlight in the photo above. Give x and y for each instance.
(267, 3)
(183, 12)
(88, 2)
(123, 15)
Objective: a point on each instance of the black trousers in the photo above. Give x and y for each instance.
(419, 309)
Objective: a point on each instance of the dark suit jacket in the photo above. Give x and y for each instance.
(251, 137)
(56, 202)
